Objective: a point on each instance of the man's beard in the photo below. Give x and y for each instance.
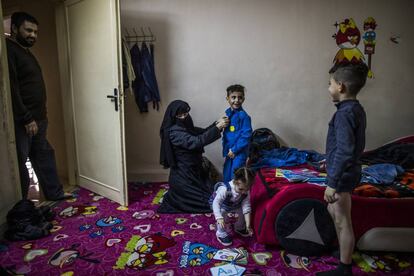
(24, 42)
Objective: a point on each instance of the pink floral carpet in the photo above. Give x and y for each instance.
(96, 236)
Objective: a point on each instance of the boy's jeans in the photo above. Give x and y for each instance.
(239, 225)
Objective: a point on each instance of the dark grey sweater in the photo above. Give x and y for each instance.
(344, 146)
(26, 83)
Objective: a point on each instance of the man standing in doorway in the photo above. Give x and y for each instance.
(29, 109)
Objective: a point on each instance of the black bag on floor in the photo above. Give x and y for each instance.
(262, 139)
(26, 222)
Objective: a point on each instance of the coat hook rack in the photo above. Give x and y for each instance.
(134, 37)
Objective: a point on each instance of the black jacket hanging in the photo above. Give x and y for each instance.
(148, 73)
(141, 91)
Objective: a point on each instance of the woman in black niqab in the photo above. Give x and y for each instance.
(181, 150)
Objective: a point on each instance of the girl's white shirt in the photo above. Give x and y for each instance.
(221, 195)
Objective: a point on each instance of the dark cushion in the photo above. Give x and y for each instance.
(305, 228)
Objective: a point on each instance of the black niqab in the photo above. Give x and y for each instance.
(174, 108)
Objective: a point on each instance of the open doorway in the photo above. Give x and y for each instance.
(96, 136)
(90, 162)
(34, 191)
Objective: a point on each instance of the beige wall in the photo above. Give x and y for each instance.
(281, 51)
(45, 51)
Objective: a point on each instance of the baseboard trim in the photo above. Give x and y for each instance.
(150, 175)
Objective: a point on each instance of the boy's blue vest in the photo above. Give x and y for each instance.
(227, 204)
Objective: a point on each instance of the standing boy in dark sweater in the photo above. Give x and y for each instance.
(29, 108)
(344, 146)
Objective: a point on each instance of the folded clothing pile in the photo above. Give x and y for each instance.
(26, 222)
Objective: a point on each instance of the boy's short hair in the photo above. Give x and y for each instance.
(352, 76)
(235, 88)
(245, 175)
(18, 18)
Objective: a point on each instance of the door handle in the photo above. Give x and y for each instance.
(114, 98)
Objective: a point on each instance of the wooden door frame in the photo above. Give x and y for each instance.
(65, 84)
(7, 125)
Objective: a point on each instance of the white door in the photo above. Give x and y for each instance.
(95, 74)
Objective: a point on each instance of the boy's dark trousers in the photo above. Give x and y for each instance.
(42, 157)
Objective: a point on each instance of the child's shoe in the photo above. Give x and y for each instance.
(226, 241)
(243, 232)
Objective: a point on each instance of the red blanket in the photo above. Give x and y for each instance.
(270, 194)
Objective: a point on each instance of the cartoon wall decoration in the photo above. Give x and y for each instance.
(369, 38)
(64, 257)
(348, 37)
(145, 252)
(396, 39)
(196, 254)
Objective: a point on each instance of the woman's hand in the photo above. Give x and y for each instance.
(222, 123)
